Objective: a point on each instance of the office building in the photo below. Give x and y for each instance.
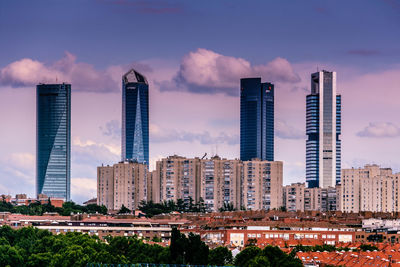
(53, 140)
(135, 117)
(323, 128)
(256, 120)
(124, 183)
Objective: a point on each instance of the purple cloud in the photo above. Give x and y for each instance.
(158, 135)
(83, 76)
(112, 128)
(205, 71)
(285, 131)
(380, 130)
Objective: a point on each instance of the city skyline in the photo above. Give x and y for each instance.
(194, 75)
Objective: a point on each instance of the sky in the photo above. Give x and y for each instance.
(194, 53)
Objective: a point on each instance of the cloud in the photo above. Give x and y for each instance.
(363, 52)
(82, 76)
(158, 135)
(205, 71)
(112, 129)
(380, 130)
(83, 189)
(285, 131)
(92, 153)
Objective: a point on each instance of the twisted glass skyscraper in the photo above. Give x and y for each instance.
(135, 117)
(256, 119)
(323, 128)
(53, 140)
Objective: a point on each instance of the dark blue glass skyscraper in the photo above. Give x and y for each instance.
(53, 140)
(323, 128)
(256, 119)
(135, 117)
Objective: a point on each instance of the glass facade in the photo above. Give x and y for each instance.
(53, 140)
(323, 128)
(256, 119)
(135, 117)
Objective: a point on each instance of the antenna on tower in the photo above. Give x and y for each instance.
(317, 68)
(56, 79)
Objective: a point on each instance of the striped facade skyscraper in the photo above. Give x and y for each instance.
(323, 129)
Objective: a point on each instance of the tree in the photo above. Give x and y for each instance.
(196, 251)
(220, 256)
(227, 207)
(191, 205)
(180, 205)
(246, 255)
(258, 261)
(124, 210)
(277, 257)
(177, 247)
(202, 206)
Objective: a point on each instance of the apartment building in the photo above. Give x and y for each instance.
(370, 188)
(297, 197)
(220, 182)
(124, 183)
(174, 178)
(105, 186)
(262, 184)
(217, 181)
(293, 197)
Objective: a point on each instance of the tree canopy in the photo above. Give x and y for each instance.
(30, 247)
(36, 208)
(150, 208)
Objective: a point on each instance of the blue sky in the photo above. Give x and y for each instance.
(106, 32)
(193, 53)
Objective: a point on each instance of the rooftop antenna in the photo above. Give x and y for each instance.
(56, 79)
(317, 68)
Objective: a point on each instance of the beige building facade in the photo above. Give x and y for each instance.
(370, 188)
(218, 182)
(105, 186)
(262, 185)
(124, 183)
(293, 197)
(175, 178)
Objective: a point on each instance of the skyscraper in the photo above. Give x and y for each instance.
(53, 140)
(135, 117)
(256, 119)
(323, 128)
